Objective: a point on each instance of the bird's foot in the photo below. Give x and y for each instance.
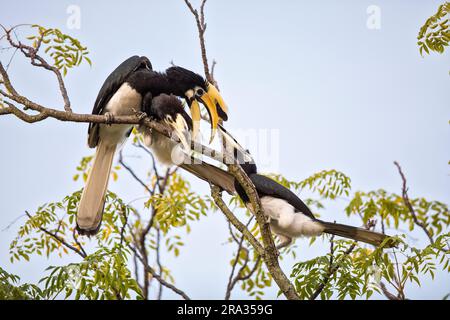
(140, 114)
(284, 242)
(109, 118)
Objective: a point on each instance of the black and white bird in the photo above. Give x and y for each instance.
(167, 109)
(291, 218)
(122, 94)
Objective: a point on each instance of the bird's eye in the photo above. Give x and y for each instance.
(200, 92)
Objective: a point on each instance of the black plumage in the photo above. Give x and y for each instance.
(290, 217)
(269, 187)
(112, 83)
(165, 106)
(124, 91)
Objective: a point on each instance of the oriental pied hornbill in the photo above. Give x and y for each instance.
(122, 94)
(166, 109)
(291, 218)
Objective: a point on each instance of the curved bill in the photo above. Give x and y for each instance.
(213, 115)
(218, 101)
(217, 109)
(196, 117)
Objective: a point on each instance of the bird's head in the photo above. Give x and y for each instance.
(144, 63)
(196, 89)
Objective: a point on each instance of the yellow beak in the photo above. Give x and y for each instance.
(196, 117)
(217, 99)
(213, 115)
(217, 109)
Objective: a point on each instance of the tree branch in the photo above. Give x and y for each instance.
(38, 61)
(334, 268)
(409, 205)
(155, 275)
(269, 252)
(233, 280)
(201, 27)
(60, 240)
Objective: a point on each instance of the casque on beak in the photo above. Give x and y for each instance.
(217, 109)
(212, 100)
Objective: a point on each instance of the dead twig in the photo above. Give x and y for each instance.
(409, 205)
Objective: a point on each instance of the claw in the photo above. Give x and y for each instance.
(109, 118)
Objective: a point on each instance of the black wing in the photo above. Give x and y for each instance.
(268, 187)
(110, 86)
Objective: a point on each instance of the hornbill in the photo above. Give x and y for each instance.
(290, 217)
(122, 94)
(167, 109)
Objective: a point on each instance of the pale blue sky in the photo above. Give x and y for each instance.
(342, 96)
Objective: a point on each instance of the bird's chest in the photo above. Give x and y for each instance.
(125, 102)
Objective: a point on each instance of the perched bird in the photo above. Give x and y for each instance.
(122, 94)
(291, 218)
(166, 109)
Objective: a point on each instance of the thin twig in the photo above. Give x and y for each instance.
(60, 239)
(201, 27)
(38, 61)
(133, 174)
(334, 267)
(231, 281)
(409, 205)
(155, 275)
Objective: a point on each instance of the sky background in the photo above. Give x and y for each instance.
(339, 94)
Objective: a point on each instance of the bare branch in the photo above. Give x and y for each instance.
(75, 238)
(155, 275)
(38, 61)
(409, 205)
(269, 251)
(232, 280)
(201, 27)
(217, 196)
(133, 174)
(387, 293)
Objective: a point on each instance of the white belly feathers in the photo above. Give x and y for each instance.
(126, 101)
(285, 221)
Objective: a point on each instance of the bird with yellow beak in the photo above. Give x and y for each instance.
(197, 90)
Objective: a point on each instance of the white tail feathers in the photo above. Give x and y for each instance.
(285, 221)
(90, 210)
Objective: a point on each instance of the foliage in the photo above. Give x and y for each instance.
(391, 210)
(84, 167)
(330, 184)
(66, 51)
(10, 290)
(103, 275)
(106, 273)
(129, 235)
(178, 204)
(434, 35)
